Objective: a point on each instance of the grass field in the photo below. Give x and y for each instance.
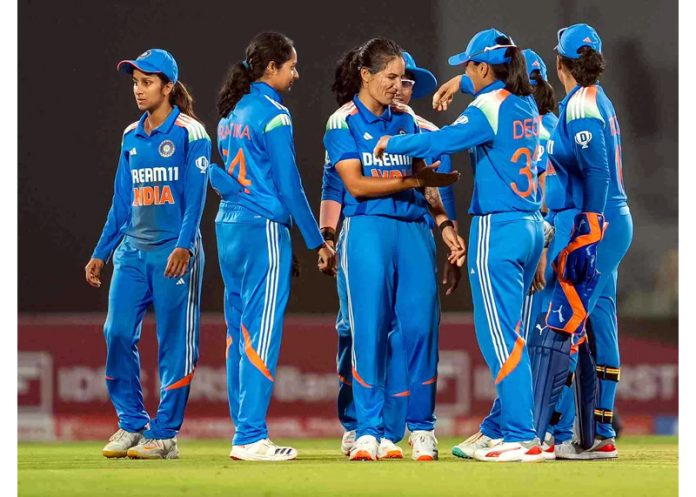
(647, 466)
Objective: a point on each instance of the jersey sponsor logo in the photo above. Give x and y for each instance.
(202, 164)
(152, 195)
(155, 174)
(387, 160)
(583, 138)
(526, 128)
(461, 120)
(167, 148)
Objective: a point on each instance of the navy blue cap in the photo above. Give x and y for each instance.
(534, 63)
(151, 61)
(484, 47)
(573, 38)
(425, 80)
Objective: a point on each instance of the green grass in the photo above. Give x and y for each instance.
(647, 466)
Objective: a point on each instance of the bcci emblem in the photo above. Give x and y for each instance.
(144, 55)
(583, 138)
(166, 148)
(202, 164)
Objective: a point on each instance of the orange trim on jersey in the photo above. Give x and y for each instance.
(227, 346)
(402, 394)
(360, 380)
(430, 381)
(502, 94)
(512, 361)
(576, 346)
(253, 356)
(345, 381)
(183, 382)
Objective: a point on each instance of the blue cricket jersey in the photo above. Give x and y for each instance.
(585, 170)
(548, 124)
(352, 133)
(256, 142)
(160, 185)
(501, 132)
(332, 186)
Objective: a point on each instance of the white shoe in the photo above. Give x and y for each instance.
(262, 450)
(153, 448)
(511, 452)
(424, 445)
(601, 449)
(389, 450)
(477, 441)
(548, 448)
(365, 449)
(347, 442)
(120, 442)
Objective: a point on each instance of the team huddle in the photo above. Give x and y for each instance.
(550, 225)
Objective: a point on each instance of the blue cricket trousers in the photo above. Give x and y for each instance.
(138, 281)
(504, 251)
(390, 276)
(255, 257)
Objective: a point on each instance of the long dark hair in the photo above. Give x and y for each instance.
(180, 97)
(374, 55)
(262, 49)
(587, 68)
(513, 73)
(544, 95)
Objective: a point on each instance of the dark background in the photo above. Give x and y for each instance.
(73, 106)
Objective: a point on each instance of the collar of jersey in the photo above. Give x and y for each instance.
(266, 89)
(495, 85)
(165, 127)
(367, 114)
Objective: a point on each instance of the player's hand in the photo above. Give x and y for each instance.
(450, 277)
(93, 271)
(177, 263)
(381, 146)
(445, 94)
(331, 272)
(428, 177)
(295, 271)
(327, 260)
(456, 244)
(539, 281)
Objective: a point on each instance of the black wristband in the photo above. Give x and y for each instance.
(445, 223)
(328, 234)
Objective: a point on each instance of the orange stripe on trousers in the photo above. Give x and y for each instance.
(253, 356)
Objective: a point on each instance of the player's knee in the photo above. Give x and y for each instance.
(118, 335)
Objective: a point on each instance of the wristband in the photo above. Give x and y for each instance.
(445, 223)
(328, 234)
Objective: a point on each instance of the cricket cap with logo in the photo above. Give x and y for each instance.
(487, 46)
(534, 63)
(152, 61)
(425, 80)
(573, 38)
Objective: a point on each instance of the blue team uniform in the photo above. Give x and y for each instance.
(261, 197)
(159, 194)
(586, 147)
(395, 406)
(501, 131)
(385, 284)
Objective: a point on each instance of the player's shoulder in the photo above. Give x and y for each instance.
(584, 104)
(489, 104)
(425, 125)
(130, 128)
(339, 119)
(272, 106)
(194, 129)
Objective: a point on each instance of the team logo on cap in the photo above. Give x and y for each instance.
(202, 164)
(583, 138)
(166, 148)
(145, 54)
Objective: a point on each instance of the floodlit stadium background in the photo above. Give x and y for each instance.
(74, 106)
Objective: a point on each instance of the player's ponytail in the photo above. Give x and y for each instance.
(374, 55)
(513, 73)
(181, 97)
(587, 68)
(544, 96)
(263, 48)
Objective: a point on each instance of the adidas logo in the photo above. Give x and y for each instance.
(472, 271)
(133, 151)
(536, 63)
(587, 40)
(367, 136)
(181, 281)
